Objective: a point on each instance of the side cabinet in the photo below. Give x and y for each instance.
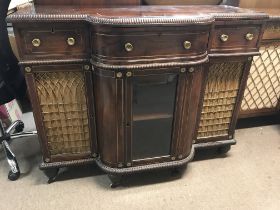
(147, 118)
(61, 96)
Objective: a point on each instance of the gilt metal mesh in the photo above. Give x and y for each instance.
(219, 100)
(263, 85)
(63, 103)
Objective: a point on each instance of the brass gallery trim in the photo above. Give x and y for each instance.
(274, 17)
(55, 61)
(238, 54)
(151, 65)
(208, 19)
(66, 163)
(214, 144)
(110, 21)
(135, 169)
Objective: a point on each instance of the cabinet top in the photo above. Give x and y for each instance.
(274, 14)
(134, 15)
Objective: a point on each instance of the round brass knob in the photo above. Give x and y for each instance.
(27, 69)
(86, 67)
(128, 47)
(129, 74)
(224, 37)
(187, 45)
(71, 41)
(36, 42)
(119, 75)
(249, 36)
(191, 69)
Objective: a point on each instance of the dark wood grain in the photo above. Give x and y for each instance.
(157, 34)
(88, 2)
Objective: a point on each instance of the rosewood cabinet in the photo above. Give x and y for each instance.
(124, 87)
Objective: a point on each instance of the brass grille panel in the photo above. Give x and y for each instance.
(263, 85)
(219, 100)
(63, 103)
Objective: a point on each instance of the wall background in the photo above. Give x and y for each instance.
(260, 3)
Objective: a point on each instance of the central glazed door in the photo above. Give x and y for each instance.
(153, 106)
(152, 99)
(147, 116)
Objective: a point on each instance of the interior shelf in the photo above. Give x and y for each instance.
(154, 116)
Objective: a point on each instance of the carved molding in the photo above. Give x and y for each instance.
(110, 21)
(150, 65)
(66, 163)
(202, 20)
(201, 145)
(53, 61)
(136, 169)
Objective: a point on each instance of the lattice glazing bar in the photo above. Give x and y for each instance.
(263, 85)
(63, 103)
(219, 100)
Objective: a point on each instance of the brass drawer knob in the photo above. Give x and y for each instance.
(27, 69)
(119, 75)
(249, 36)
(187, 45)
(129, 74)
(71, 41)
(36, 42)
(128, 47)
(224, 37)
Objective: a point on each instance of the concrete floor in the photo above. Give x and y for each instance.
(248, 177)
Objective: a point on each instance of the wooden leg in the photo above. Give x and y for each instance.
(115, 179)
(52, 174)
(224, 149)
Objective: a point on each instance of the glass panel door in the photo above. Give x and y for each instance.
(153, 107)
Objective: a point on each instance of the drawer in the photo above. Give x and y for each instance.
(150, 44)
(272, 31)
(235, 38)
(52, 41)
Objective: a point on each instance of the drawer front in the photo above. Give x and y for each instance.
(235, 38)
(152, 44)
(272, 31)
(53, 41)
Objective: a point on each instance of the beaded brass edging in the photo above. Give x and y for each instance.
(150, 66)
(214, 144)
(66, 163)
(54, 61)
(109, 21)
(171, 164)
(208, 19)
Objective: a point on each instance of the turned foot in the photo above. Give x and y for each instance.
(115, 179)
(224, 149)
(52, 174)
(178, 170)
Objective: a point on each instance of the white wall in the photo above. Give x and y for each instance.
(14, 3)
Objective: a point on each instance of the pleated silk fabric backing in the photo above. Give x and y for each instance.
(219, 100)
(62, 99)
